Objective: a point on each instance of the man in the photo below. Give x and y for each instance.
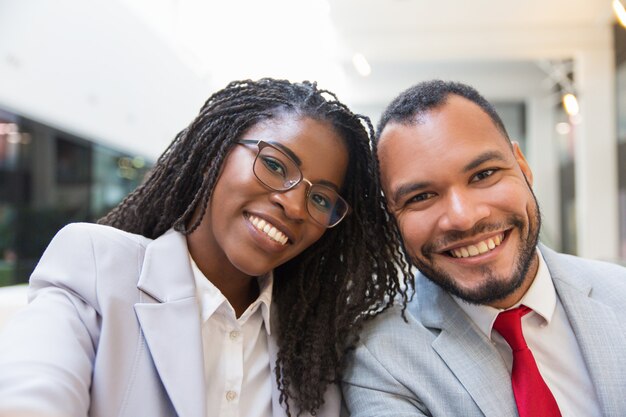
(460, 193)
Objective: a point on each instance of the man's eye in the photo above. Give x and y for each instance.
(420, 197)
(483, 174)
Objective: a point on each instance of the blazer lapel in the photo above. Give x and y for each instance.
(170, 322)
(600, 334)
(466, 351)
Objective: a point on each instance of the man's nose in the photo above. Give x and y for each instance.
(462, 211)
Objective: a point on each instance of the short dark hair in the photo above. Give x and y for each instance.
(427, 95)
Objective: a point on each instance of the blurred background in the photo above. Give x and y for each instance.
(91, 92)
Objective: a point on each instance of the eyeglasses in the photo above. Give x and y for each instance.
(279, 172)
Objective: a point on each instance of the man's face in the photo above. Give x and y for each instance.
(463, 203)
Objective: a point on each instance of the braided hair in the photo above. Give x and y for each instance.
(323, 295)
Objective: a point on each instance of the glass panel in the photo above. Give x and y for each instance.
(49, 178)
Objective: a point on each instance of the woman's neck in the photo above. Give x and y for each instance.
(240, 289)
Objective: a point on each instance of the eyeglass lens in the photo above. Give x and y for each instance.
(279, 172)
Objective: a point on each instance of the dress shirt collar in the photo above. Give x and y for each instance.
(211, 298)
(540, 297)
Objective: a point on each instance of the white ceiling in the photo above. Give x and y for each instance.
(133, 72)
(485, 42)
(391, 17)
(494, 45)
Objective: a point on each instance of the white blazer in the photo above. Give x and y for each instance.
(112, 329)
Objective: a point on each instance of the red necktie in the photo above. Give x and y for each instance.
(532, 395)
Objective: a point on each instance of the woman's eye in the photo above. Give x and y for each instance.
(321, 202)
(483, 174)
(274, 166)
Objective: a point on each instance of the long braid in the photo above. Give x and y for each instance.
(323, 295)
(345, 278)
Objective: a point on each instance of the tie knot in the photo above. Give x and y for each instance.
(509, 325)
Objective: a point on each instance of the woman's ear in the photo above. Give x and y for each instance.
(521, 161)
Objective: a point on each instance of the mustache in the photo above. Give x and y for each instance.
(454, 236)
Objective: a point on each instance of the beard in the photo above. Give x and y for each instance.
(494, 287)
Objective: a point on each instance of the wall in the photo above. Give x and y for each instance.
(91, 68)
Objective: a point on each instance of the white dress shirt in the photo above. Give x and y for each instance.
(236, 357)
(552, 341)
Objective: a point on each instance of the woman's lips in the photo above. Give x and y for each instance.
(269, 229)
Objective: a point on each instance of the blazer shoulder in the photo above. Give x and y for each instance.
(99, 232)
(82, 256)
(605, 280)
(577, 266)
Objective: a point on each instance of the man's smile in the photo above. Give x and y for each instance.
(478, 248)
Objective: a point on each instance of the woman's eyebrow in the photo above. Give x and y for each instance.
(288, 151)
(329, 184)
(298, 162)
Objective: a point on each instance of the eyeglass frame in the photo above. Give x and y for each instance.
(263, 144)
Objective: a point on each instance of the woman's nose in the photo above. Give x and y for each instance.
(293, 201)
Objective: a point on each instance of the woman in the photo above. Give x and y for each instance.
(231, 282)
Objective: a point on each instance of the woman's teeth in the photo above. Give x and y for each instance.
(477, 249)
(269, 230)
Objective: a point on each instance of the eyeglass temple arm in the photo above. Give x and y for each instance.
(248, 142)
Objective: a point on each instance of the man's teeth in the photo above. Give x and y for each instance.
(477, 249)
(269, 230)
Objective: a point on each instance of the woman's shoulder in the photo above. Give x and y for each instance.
(99, 232)
(88, 256)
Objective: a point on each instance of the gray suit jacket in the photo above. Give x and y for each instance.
(112, 329)
(440, 364)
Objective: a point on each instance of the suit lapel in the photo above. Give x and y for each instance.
(466, 351)
(600, 334)
(170, 322)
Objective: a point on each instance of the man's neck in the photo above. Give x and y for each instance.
(517, 295)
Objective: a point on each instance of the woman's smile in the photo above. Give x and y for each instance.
(269, 229)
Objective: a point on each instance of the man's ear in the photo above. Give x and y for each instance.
(521, 161)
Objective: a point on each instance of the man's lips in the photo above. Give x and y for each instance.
(477, 248)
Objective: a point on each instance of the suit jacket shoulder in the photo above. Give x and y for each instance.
(84, 298)
(602, 280)
(80, 251)
(439, 363)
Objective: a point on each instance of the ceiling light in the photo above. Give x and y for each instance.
(618, 8)
(563, 128)
(570, 103)
(360, 63)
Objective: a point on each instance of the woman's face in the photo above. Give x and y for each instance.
(229, 238)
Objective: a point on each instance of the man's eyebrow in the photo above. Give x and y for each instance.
(407, 188)
(482, 158)
(411, 187)
(288, 151)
